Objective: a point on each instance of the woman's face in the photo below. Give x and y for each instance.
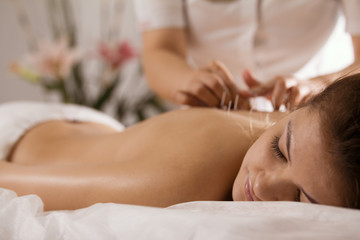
(289, 163)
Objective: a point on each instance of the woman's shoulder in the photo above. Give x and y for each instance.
(214, 114)
(216, 120)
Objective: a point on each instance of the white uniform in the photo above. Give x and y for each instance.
(269, 37)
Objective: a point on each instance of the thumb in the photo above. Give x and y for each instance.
(249, 79)
(255, 87)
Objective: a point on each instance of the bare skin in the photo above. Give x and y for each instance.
(183, 84)
(176, 157)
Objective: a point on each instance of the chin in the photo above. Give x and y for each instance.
(236, 195)
(236, 191)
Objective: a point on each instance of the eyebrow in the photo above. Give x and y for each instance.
(288, 144)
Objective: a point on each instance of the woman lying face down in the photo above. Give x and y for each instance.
(290, 162)
(309, 155)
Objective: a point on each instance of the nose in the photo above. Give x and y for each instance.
(274, 186)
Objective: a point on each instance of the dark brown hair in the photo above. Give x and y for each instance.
(339, 110)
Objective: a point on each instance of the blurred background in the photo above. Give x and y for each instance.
(43, 43)
(91, 49)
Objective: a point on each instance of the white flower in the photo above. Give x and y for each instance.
(54, 59)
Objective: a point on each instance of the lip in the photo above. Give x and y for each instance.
(247, 190)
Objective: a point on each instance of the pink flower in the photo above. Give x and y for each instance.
(54, 59)
(116, 55)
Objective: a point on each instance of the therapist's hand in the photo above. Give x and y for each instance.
(211, 86)
(283, 90)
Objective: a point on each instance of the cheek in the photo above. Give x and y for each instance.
(259, 152)
(258, 158)
(254, 160)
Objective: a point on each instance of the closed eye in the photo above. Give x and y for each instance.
(276, 150)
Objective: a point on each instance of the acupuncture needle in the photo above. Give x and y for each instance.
(236, 101)
(229, 107)
(223, 100)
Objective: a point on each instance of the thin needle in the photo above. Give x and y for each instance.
(236, 101)
(229, 107)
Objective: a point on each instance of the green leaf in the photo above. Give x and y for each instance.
(106, 93)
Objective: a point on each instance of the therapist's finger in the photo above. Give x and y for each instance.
(185, 98)
(249, 79)
(295, 97)
(222, 71)
(255, 87)
(262, 90)
(280, 93)
(238, 98)
(203, 93)
(215, 84)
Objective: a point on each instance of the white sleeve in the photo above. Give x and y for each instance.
(352, 14)
(155, 14)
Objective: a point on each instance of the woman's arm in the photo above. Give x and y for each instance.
(74, 186)
(291, 92)
(150, 181)
(164, 59)
(169, 75)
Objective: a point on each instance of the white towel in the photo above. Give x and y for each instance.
(18, 117)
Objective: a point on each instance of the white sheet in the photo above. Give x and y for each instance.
(23, 218)
(19, 116)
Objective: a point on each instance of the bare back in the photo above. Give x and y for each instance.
(180, 156)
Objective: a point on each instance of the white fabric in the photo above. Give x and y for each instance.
(351, 11)
(18, 117)
(23, 218)
(289, 34)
